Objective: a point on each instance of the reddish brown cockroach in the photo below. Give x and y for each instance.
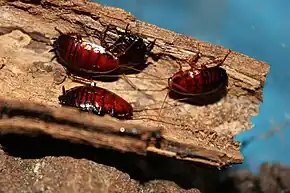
(97, 100)
(100, 101)
(80, 56)
(198, 85)
(199, 81)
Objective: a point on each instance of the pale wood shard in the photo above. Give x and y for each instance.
(206, 134)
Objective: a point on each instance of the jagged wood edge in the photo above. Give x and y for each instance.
(65, 123)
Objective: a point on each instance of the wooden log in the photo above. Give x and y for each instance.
(206, 132)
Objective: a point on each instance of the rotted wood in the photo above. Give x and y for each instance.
(206, 132)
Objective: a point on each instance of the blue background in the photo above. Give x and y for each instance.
(257, 28)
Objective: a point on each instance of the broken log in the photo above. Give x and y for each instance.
(206, 132)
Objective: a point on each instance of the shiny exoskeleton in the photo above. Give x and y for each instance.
(80, 56)
(97, 100)
(195, 82)
(130, 48)
(198, 81)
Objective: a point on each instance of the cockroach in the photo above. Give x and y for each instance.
(199, 81)
(101, 101)
(87, 59)
(130, 48)
(97, 100)
(80, 56)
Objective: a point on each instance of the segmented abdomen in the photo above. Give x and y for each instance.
(198, 81)
(211, 77)
(97, 100)
(79, 55)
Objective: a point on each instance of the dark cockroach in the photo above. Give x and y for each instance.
(97, 100)
(130, 48)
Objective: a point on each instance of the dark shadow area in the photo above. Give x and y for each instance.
(141, 168)
(35, 2)
(272, 178)
(106, 77)
(37, 46)
(238, 182)
(201, 100)
(155, 57)
(7, 30)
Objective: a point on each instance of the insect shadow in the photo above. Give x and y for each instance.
(108, 77)
(141, 168)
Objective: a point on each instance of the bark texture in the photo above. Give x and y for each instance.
(201, 134)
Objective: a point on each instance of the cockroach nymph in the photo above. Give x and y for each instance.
(199, 81)
(82, 57)
(198, 85)
(97, 100)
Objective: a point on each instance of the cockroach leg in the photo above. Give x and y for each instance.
(126, 50)
(160, 111)
(192, 62)
(151, 45)
(59, 31)
(81, 80)
(218, 61)
(54, 57)
(87, 33)
(135, 87)
(179, 65)
(127, 28)
(103, 36)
